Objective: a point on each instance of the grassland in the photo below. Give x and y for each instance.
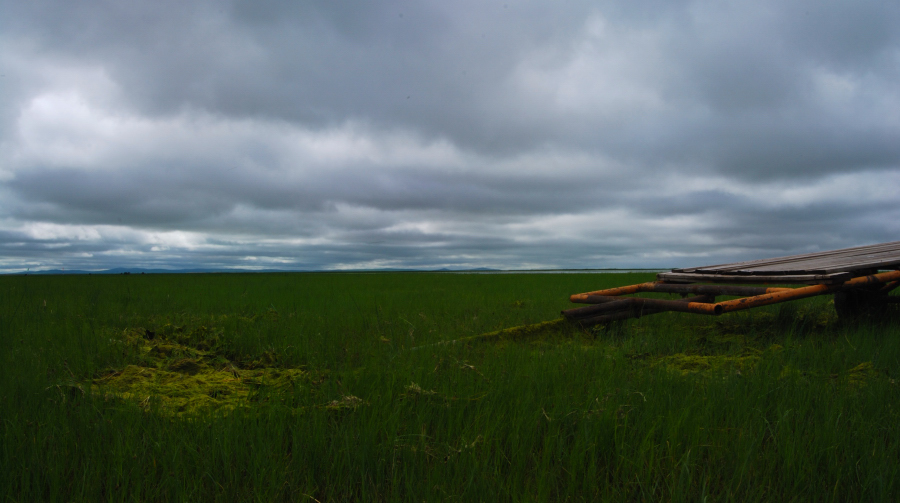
(338, 387)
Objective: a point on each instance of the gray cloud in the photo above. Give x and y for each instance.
(425, 134)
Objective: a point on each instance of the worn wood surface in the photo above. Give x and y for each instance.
(827, 267)
(810, 279)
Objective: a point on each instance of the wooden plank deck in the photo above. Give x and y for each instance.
(827, 267)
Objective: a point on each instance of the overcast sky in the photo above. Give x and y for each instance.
(511, 134)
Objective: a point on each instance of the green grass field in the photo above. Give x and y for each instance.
(331, 387)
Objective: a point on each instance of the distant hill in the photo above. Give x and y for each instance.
(123, 270)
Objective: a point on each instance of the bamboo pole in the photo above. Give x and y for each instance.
(617, 304)
(800, 293)
(586, 298)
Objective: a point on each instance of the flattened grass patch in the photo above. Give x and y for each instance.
(183, 372)
(718, 364)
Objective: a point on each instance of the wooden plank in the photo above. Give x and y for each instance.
(819, 265)
(831, 264)
(844, 255)
(883, 255)
(811, 279)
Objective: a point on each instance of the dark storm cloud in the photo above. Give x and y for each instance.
(420, 134)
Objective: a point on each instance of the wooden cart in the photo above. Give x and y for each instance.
(860, 279)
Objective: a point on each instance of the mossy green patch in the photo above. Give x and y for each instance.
(181, 372)
(203, 388)
(861, 374)
(716, 364)
(523, 332)
(519, 333)
(855, 377)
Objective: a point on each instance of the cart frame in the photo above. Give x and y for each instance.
(860, 278)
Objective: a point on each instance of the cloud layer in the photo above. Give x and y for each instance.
(432, 134)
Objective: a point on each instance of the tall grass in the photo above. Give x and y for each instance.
(781, 403)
